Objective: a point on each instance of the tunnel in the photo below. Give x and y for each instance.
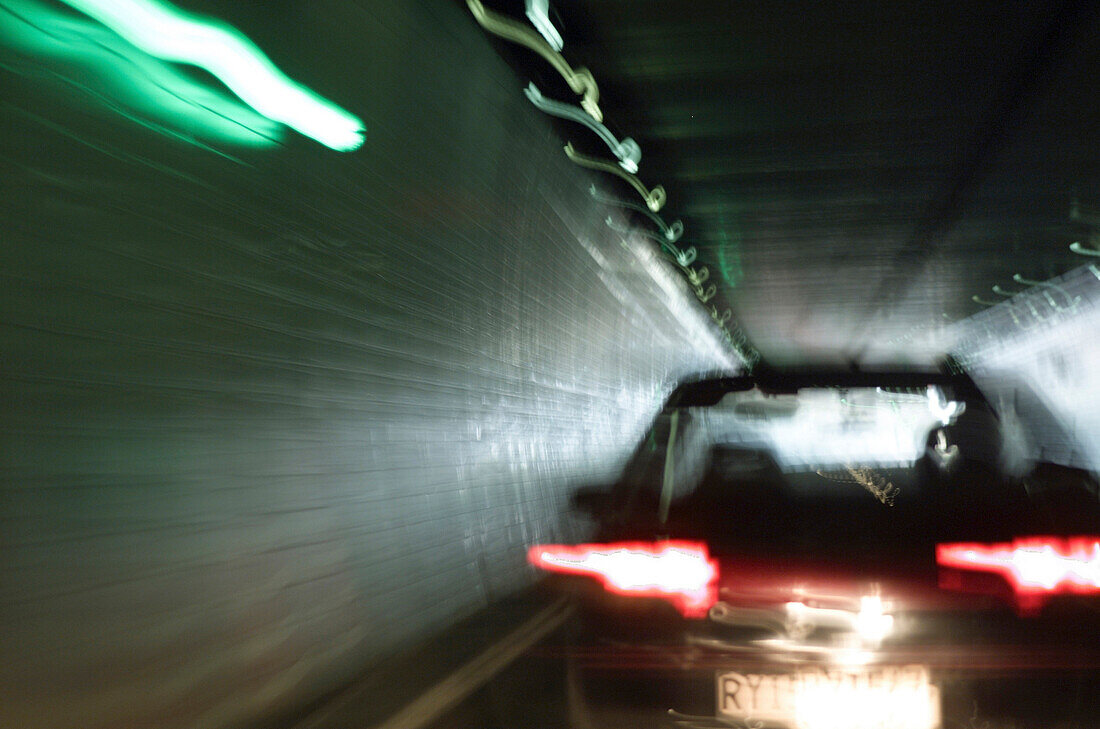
(318, 319)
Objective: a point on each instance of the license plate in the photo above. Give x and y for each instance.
(820, 698)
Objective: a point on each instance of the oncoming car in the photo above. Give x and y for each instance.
(844, 549)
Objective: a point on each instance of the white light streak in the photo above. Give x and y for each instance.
(171, 34)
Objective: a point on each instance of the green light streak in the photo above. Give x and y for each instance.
(84, 56)
(168, 33)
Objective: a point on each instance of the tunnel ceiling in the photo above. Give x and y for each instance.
(851, 173)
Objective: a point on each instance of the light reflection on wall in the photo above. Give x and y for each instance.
(676, 296)
(728, 251)
(71, 53)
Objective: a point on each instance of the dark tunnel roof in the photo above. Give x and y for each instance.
(851, 171)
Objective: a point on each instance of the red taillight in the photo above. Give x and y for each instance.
(681, 572)
(1035, 567)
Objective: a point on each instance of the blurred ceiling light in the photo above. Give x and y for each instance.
(538, 12)
(168, 33)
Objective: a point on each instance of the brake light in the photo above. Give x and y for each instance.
(1035, 567)
(681, 572)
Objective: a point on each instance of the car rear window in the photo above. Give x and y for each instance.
(928, 471)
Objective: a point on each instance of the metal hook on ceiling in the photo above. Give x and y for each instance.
(627, 230)
(671, 233)
(686, 256)
(697, 276)
(706, 295)
(1091, 219)
(538, 12)
(1076, 247)
(626, 151)
(683, 257)
(580, 80)
(654, 199)
(742, 345)
(1071, 302)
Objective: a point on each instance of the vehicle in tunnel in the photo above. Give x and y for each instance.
(834, 549)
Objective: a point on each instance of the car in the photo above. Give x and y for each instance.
(814, 549)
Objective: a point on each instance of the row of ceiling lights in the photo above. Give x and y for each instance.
(547, 42)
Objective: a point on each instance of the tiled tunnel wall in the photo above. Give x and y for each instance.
(1037, 357)
(271, 411)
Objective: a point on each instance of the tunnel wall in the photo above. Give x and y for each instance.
(1037, 358)
(271, 411)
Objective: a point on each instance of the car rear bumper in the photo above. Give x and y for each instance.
(989, 687)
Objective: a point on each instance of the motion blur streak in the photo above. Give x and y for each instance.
(85, 62)
(680, 572)
(168, 33)
(1034, 566)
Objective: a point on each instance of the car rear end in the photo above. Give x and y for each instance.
(821, 648)
(918, 594)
